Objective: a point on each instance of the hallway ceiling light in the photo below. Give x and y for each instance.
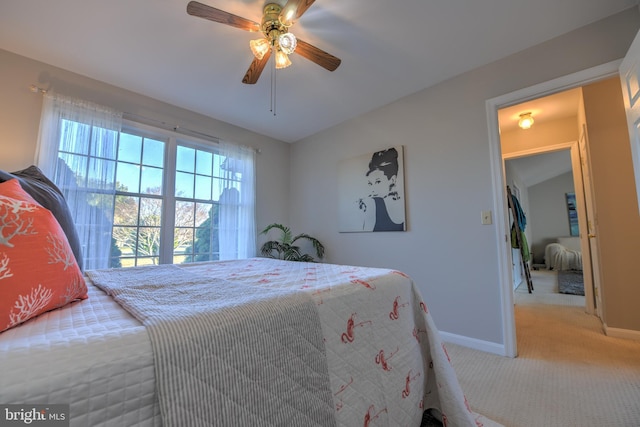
(526, 120)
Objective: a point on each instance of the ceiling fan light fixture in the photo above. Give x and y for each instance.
(259, 47)
(287, 42)
(282, 60)
(276, 20)
(526, 120)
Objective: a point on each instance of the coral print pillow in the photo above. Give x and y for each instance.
(38, 271)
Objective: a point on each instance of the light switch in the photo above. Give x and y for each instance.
(486, 218)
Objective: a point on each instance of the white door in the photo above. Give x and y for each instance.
(588, 230)
(630, 79)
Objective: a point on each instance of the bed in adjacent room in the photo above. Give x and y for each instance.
(564, 254)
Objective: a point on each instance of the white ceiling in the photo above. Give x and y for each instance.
(389, 49)
(553, 107)
(538, 168)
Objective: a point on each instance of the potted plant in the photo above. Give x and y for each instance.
(285, 247)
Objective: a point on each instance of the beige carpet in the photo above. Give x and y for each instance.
(567, 373)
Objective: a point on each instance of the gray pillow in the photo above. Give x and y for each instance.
(45, 192)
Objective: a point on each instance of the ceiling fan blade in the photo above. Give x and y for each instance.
(255, 69)
(216, 15)
(293, 10)
(319, 56)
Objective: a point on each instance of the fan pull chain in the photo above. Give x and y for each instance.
(273, 85)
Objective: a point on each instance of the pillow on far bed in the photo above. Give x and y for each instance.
(38, 271)
(45, 192)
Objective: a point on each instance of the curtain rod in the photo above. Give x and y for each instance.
(149, 121)
(164, 125)
(185, 131)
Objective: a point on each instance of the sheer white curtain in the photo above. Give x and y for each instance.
(77, 149)
(237, 226)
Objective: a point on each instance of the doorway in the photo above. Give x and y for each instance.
(500, 205)
(539, 160)
(547, 195)
(541, 182)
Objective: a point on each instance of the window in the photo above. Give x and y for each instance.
(139, 201)
(204, 181)
(144, 196)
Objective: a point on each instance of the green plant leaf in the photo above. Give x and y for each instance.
(284, 248)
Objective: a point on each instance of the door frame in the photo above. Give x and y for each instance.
(570, 81)
(590, 247)
(578, 185)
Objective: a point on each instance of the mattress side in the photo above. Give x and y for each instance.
(91, 354)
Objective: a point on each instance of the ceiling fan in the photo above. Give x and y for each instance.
(276, 20)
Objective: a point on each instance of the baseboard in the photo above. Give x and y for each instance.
(627, 334)
(476, 344)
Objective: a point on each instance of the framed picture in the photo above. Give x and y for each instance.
(573, 214)
(371, 194)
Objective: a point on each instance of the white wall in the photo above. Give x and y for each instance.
(20, 117)
(548, 212)
(450, 255)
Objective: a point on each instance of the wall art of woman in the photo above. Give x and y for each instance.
(371, 192)
(383, 206)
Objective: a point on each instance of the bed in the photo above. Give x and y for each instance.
(564, 254)
(246, 342)
(385, 361)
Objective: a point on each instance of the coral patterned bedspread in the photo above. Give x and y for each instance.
(386, 361)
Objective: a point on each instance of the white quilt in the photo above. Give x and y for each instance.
(91, 355)
(558, 257)
(386, 361)
(227, 352)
